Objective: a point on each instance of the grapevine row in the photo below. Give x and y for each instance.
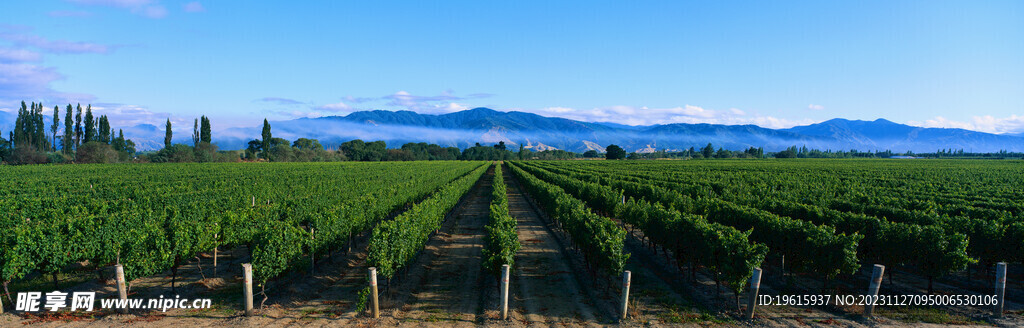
(600, 239)
(395, 243)
(151, 219)
(990, 236)
(501, 241)
(812, 249)
(884, 242)
(723, 250)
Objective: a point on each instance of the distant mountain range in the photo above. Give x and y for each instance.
(486, 126)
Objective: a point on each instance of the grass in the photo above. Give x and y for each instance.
(310, 312)
(222, 310)
(438, 315)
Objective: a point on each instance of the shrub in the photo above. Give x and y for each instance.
(96, 152)
(26, 155)
(177, 153)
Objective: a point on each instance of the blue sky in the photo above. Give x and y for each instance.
(770, 63)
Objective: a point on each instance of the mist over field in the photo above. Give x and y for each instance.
(536, 132)
(465, 128)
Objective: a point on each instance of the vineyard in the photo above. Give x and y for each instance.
(436, 231)
(151, 219)
(850, 213)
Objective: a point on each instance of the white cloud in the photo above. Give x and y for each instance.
(453, 107)
(815, 107)
(694, 111)
(21, 81)
(147, 8)
(559, 109)
(22, 38)
(152, 11)
(281, 101)
(359, 100)
(440, 104)
(416, 103)
(691, 114)
(18, 55)
(335, 107)
(26, 78)
(986, 123)
(338, 108)
(298, 114)
(22, 76)
(124, 115)
(194, 7)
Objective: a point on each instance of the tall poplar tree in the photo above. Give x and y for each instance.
(104, 135)
(55, 125)
(167, 135)
(40, 130)
(90, 124)
(78, 126)
(29, 129)
(69, 130)
(266, 137)
(204, 130)
(18, 137)
(195, 134)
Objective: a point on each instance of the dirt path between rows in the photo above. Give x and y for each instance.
(445, 285)
(545, 290)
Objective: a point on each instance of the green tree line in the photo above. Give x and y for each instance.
(90, 141)
(30, 142)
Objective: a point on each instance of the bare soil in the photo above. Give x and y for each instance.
(546, 288)
(445, 285)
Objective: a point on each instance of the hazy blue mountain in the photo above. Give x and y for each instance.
(486, 126)
(623, 126)
(882, 134)
(732, 137)
(148, 136)
(460, 129)
(481, 125)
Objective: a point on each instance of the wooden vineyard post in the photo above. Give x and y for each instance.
(1000, 288)
(783, 266)
(504, 291)
(755, 286)
(312, 253)
(373, 293)
(122, 292)
(349, 250)
(247, 290)
(215, 257)
(625, 294)
(876, 282)
(253, 201)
